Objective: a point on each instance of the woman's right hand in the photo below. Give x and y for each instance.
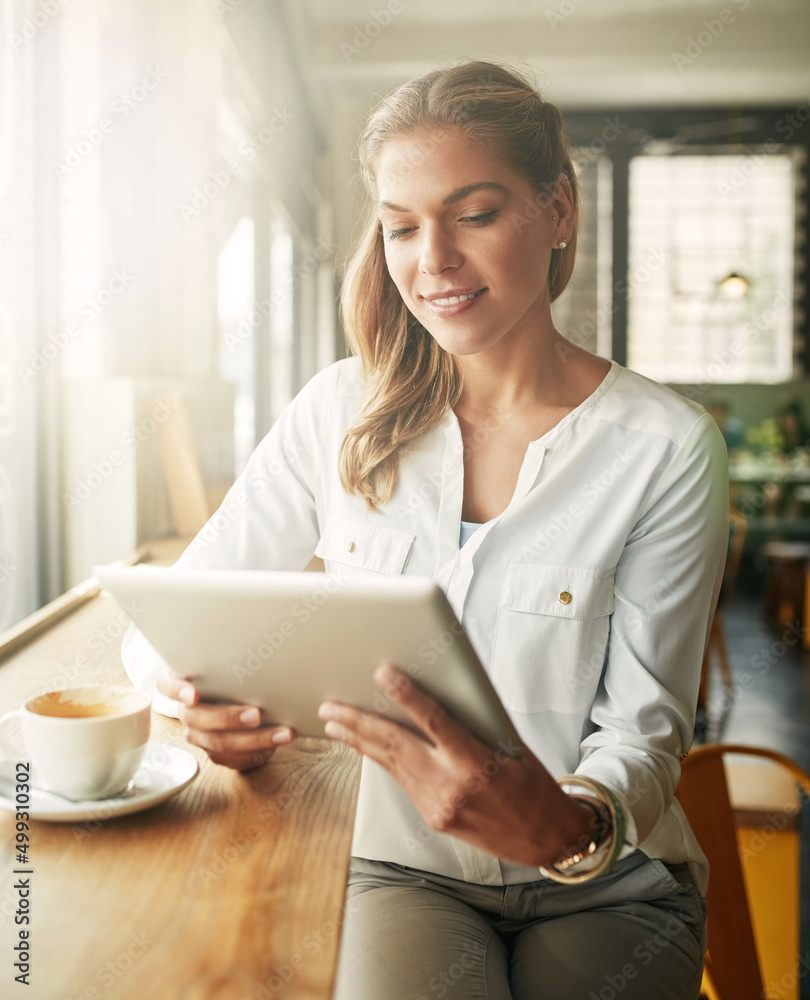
(231, 735)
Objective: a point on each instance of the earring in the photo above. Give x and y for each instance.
(563, 243)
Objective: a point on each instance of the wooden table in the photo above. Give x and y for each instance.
(233, 889)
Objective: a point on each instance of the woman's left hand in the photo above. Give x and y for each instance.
(503, 801)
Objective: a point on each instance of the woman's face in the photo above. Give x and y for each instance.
(467, 241)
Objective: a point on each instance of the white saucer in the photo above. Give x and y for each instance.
(164, 771)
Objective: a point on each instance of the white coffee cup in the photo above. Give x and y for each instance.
(83, 742)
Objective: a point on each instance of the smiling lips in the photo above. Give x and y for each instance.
(448, 304)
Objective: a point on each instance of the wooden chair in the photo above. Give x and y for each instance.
(786, 596)
(717, 639)
(734, 968)
(191, 503)
(181, 467)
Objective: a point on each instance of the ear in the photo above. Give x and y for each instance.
(563, 204)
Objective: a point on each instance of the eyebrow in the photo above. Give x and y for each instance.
(455, 196)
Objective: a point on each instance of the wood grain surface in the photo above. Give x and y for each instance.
(231, 890)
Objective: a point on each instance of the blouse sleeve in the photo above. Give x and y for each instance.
(267, 520)
(666, 587)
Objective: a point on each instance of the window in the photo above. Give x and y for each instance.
(239, 320)
(583, 312)
(711, 265)
(282, 317)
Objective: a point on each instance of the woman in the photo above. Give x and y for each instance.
(575, 514)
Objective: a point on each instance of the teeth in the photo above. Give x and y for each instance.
(453, 299)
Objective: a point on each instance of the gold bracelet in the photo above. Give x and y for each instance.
(559, 870)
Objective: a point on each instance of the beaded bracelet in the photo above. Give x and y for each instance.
(560, 871)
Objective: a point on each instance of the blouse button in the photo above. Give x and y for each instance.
(565, 597)
(352, 546)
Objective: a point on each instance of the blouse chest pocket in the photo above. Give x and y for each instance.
(350, 548)
(551, 637)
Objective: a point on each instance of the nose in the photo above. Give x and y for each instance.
(438, 251)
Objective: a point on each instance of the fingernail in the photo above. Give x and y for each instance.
(327, 712)
(186, 694)
(282, 736)
(335, 731)
(389, 678)
(250, 717)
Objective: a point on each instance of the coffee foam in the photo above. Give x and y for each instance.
(54, 705)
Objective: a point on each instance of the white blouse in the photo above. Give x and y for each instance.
(588, 599)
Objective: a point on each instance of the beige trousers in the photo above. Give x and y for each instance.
(636, 933)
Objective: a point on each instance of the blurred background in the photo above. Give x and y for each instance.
(179, 194)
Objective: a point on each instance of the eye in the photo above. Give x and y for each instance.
(481, 220)
(398, 234)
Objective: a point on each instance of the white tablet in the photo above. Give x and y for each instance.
(288, 641)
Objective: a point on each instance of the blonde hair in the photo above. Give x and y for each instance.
(410, 380)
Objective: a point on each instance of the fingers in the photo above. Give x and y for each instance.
(380, 739)
(431, 718)
(210, 717)
(241, 761)
(177, 688)
(404, 754)
(242, 722)
(225, 742)
(231, 735)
